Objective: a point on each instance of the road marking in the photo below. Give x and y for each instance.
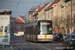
(22, 43)
(41, 46)
(45, 48)
(19, 48)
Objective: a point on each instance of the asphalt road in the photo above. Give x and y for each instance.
(18, 43)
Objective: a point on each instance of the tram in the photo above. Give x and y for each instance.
(39, 30)
(5, 29)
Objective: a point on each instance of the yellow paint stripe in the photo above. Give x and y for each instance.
(45, 36)
(1, 33)
(6, 33)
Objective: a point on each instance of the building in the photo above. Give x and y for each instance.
(12, 24)
(41, 12)
(30, 14)
(19, 24)
(70, 15)
(33, 13)
(62, 13)
(53, 12)
(38, 12)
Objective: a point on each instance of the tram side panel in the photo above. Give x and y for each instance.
(34, 33)
(4, 30)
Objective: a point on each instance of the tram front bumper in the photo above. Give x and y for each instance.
(45, 39)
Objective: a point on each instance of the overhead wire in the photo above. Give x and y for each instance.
(16, 6)
(25, 2)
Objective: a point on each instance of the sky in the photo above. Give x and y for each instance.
(21, 7)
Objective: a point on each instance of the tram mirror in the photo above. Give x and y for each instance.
(38, 31)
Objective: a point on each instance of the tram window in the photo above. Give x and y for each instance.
(5, 29)
(1, 28)
(46, 27)
(38, 29)
(32, 29)
(49, 27)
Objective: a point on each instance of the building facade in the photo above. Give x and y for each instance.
(19, 24)
(62, 13)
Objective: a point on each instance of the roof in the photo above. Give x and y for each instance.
(55, 1)
(19, 21)
(38, 7)
(21, 17)
(43, 7)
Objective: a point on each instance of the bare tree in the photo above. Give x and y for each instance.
(57, 22)
(67, 22)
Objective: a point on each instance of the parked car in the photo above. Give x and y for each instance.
(73, 33)
(54, 34)
(11, 33)
(64, 35)
(58, 37)
(55, 37)
(19, 34)
(69, 42)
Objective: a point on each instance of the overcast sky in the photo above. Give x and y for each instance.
(21, 7)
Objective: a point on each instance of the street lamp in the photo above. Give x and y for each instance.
(71, 16)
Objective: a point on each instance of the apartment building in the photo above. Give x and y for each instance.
(38, 12)
(19, 23)
(62, 13)
(41, 12)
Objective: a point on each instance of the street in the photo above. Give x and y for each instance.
(18, 43)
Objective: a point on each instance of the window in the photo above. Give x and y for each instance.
(1, 28)
(46, 27)
(51, 13)
(69, 4)
(73, 36)
(38, 29)
(67, 37)
(5, 29)
(68, 19)
(74, 18)
(74, 1)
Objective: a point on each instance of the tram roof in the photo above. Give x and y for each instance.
(35, 20)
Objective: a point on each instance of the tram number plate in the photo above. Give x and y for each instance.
(45, 36)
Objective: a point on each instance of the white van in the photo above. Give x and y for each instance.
(19, 34)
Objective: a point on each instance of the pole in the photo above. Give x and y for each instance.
(71, 16)
(19, 26)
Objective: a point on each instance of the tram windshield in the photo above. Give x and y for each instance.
(46, 27)
(1, 28)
